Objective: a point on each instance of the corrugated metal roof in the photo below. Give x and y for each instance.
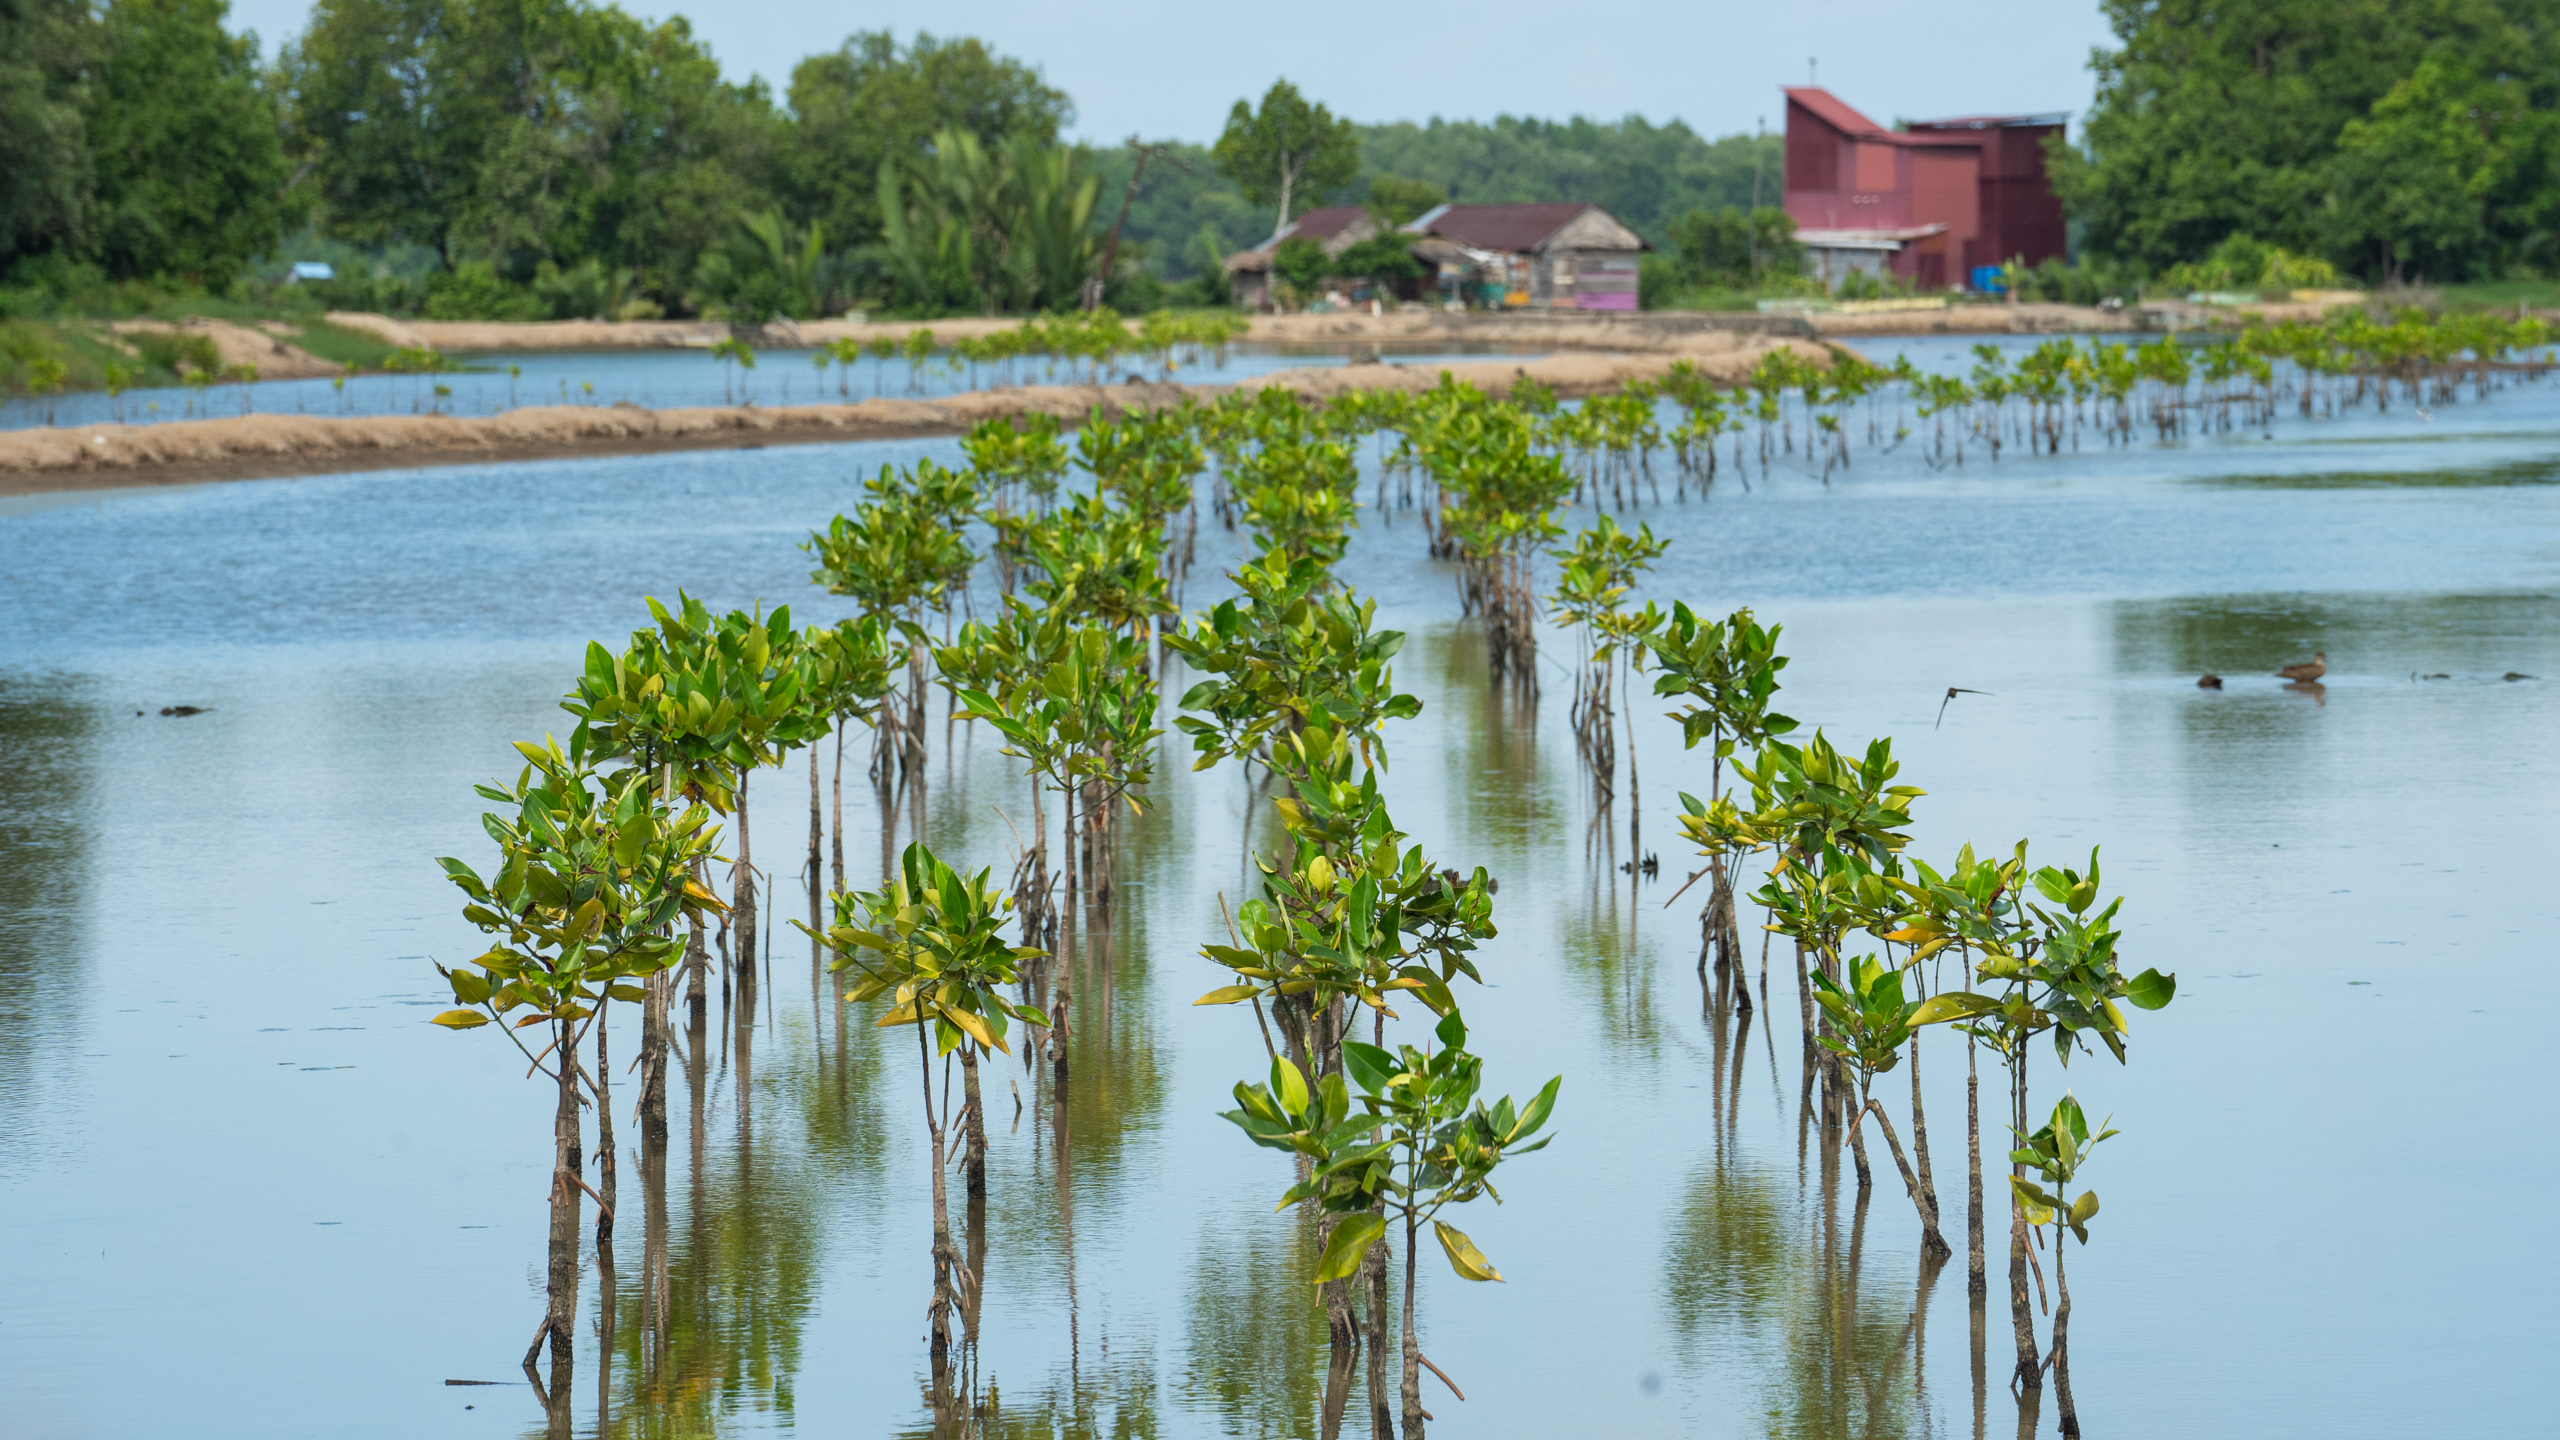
(1993, 122)
(1327, 221)
(1835, 112)
(1513, 228)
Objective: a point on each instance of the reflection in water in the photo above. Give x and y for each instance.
(1752, 1270)
(47, 740)
(1134, 1280)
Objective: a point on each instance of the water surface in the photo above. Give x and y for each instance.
(245, 1190)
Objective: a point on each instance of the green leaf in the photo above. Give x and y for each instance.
(1288, 1086)
(2151, 989)
(1351, 1240)
(1227, 995)
(460, 1019)
(1370, 1066)
(1536, 1114)
(1452, 1031)
(1464, 1257)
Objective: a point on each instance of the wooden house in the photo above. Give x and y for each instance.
(1336, 227)
(1546, 257)
(1931, 203)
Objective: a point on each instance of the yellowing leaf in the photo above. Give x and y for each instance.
(460, 1019)
(1464, 1257)
(1227, 995)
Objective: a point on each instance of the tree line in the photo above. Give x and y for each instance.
(555, 158)
(2399, 141)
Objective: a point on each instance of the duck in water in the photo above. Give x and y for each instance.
(2308, 673)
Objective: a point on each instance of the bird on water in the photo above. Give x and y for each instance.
(2306, 673)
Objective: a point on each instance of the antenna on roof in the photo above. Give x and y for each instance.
(1812, 66)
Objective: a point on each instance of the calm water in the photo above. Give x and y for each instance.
(246, 1191)
(654, 379)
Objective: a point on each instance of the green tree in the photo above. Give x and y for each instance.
(990, 228)
(871, 101)
(44, 154)
(1642, 173)
(1734, 247)
(1396, 200)
(2216, 117)
(1302, 264)
(1286, 150)
(184, 143)
(514, 131)
(2414, 176)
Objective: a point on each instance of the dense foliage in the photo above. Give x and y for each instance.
(2398, 139)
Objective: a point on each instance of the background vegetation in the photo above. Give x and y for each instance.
(560, 158)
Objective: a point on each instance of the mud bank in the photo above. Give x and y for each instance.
(252, 447)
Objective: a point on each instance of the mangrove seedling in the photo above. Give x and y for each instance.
(591, 877)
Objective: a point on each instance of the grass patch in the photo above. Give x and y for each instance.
(2502, 295)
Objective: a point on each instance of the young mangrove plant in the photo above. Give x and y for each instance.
(2055, 1153)
(1726, 671)
(2048, 972)
(932, 942)
(591, 877)
(1591, 599)
(1870, 1024)
(1422, 1142)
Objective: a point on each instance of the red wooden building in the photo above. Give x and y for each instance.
(1929, 203)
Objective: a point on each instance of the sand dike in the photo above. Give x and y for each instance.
(267, 446)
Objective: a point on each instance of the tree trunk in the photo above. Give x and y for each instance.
(1058, 1032)
(973, 1121)
(2030, 1369)
(1920, 1151)
(567, 1164)
(1382, 1416)
(1412, 1343)
(1932, 1244)
(742, 895)
(697, 963)
(817, 817)
(1977, 1284)
(945, 1256)
(607, 1188)
(2062, 1343)
(837, 844)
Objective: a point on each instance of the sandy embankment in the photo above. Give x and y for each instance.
(261, 446)
(262, 346)
(1642, 331)
(1646, 331)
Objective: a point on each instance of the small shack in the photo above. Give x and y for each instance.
(1336, 227)
(1544, 257)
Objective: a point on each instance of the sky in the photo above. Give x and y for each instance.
(1170, 69)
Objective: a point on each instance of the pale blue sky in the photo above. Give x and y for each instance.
(1170, 68)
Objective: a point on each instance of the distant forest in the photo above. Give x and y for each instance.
(539, 157)
(1645, 174)
(534, 158)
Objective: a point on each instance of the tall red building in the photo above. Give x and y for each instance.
(1929, 203)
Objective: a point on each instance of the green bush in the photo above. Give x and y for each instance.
(474, 290)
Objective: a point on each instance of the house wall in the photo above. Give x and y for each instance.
(1944, 191)
(2021, 216)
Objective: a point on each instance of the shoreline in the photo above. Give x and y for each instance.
(54, 460)
(1614, 332)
